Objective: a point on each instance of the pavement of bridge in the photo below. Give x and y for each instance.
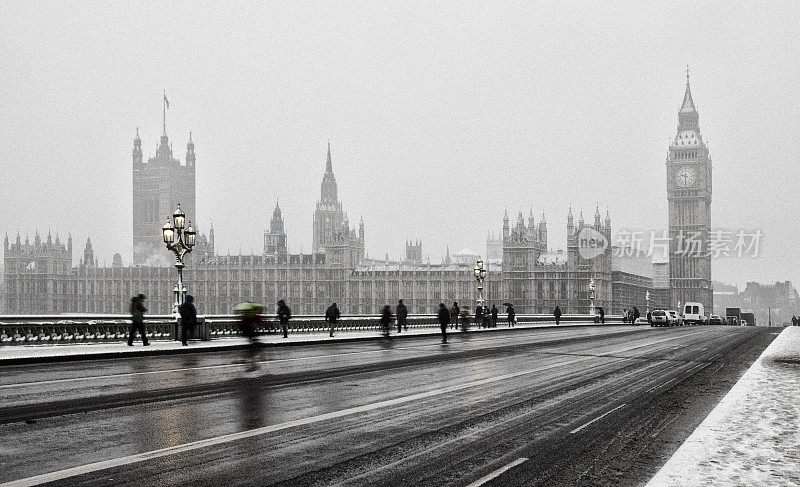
(752, 437)
(62, 352)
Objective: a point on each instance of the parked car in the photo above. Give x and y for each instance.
(716, 320)
(694, 313)
(640, 321)
(675, 318)
(660, 317)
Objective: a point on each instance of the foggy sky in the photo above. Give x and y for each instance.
(439, 117)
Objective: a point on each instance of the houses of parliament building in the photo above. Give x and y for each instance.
(41, 276)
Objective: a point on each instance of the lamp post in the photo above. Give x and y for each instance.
(180, 242)
(647, 298)
(591, 297)
(480, 275)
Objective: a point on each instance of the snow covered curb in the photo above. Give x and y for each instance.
(752, 437)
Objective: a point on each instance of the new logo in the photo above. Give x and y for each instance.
(591, 243)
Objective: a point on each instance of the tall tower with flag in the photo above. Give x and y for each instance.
(159, 185)
(689, 196)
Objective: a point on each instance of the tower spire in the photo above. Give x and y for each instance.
(328, 164)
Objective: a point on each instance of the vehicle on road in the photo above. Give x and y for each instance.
(745, 323)
(675, 318)
(640, 321)
(694, 313)
(660, 317)
(716, 320)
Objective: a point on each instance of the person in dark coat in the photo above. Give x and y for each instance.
(602, 315)
(512, 315)
(284, 313)
(557, 314)
(332, 316)
(188, 314)
(494, 316)
(636, 314)
(386, 319)
(137, 310)
(444, 320)
(402, 314)
(479, 315)
(455, 312)
(794, 320)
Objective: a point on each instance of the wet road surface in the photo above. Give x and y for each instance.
(572, 406)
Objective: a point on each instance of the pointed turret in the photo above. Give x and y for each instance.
(506, 227)
(597, 217)
(5, 243)
(190, 158)
(688, 118)
(137, 148)
(329, 193)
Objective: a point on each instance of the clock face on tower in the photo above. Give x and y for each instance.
(685, 177)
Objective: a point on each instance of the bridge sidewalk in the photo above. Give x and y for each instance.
(31, 354)
(752, 437)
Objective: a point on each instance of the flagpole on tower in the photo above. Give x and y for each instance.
(164, 107)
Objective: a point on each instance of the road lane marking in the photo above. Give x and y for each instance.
(596, 419)
(497, 472)
(195, 445)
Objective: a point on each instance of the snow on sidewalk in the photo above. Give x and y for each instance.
(752, 437)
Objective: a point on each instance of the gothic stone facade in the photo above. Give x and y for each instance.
(689, 196)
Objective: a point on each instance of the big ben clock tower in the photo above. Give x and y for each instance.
(689, 197)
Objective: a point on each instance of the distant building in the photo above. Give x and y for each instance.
(768, 302)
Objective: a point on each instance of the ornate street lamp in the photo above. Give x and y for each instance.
(647, 298)
(480, 274)
(180, 242)
(591, 297)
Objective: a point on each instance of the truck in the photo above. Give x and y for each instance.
(748, 318)
(733, 316)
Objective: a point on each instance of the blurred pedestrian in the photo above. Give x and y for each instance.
(494, 316)
(284, 313)
(557, 315)
(386, 319)
(188, 314)
(636, 314)
(137, 310)
(444, 320)
(512, 315)
(455, 312)
(402, 313)
(479, 315)
(249, 323)
(332, 316)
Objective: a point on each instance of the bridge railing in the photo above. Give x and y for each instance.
(44, 329)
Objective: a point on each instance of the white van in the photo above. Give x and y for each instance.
(694, 313)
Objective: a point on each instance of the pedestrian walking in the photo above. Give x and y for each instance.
(444, 320)
(386, 320)
(188, 314)
(284, 313)
(249, 323)
(636, 314)
(455, 312)
(794, 320)
(494, 316)
(625, 315)
(332, 316)
(512, 315)
(137, 310)
(402, 313)
(602, 315)
(557, 315)
(479, 315)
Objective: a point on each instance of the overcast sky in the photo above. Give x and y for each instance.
(439, 117)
